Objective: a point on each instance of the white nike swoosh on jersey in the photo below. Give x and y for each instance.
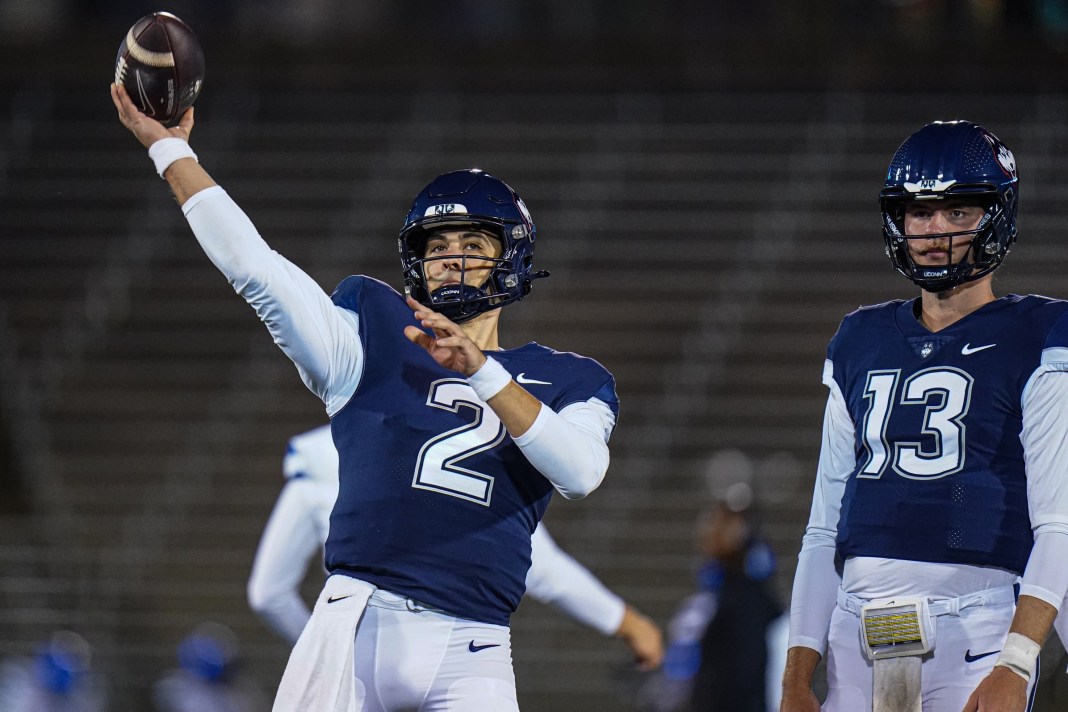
(968, 350)
(522, 378)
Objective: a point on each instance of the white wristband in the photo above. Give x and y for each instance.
(168, 150)
(489, 380)
(1019, 654)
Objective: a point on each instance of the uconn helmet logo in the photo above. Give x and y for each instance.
(929, 184)
(445, 209)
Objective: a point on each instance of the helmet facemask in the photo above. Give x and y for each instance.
(989, 242)
(459, 300)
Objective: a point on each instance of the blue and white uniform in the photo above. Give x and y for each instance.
(437, 502)
(440, 458)
(297, 529)
(941, 475)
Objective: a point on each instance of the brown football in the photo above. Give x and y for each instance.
(161, 64)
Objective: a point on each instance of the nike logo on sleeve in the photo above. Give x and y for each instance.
(522, 378)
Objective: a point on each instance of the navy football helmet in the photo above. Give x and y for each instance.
(470, 198)
(952, 159)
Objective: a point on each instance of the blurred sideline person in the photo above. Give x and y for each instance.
(58, 678)
(941, 476)
(207, 677)
(450, 445)
(297, 530)
(727, 642)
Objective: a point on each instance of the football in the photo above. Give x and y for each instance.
(161, 64)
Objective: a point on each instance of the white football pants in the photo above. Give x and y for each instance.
(369, 650)
(965, 649)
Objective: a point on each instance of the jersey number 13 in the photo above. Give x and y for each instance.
(945, 394)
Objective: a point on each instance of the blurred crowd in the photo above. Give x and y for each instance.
(60, 676)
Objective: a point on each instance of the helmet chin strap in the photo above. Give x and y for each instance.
(456, 301)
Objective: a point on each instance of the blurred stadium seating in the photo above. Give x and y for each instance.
(707, 211)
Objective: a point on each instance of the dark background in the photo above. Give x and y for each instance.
(703, 176)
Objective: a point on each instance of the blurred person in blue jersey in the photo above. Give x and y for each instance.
(207, 678)
(59, 677)
(450, 445)
(941, 491)
(727, 641)
(298, 527)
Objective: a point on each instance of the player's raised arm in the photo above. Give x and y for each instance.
(320, 338)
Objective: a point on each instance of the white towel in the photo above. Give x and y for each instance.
(319, 676)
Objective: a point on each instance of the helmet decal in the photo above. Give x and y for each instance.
(1004, 156)
(932, 184)
(445, 209)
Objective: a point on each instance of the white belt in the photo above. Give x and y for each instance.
(382, 598)
(999, 596)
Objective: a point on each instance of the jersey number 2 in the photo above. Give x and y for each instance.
(946, 394)
(439, 466)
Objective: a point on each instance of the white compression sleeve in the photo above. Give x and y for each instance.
(556, 578)
(320, 338)
(1045, 441)
(570, 448)
(816, 581)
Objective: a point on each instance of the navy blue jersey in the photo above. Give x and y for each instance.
(436, 502)
(940, 474)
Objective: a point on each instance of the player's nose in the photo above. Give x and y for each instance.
(937, 224)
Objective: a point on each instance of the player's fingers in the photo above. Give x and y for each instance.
(445, 341)
(124, 98)
(441, 323)
(417, 336)
(186, 122)
(118, 98)
(419, 309)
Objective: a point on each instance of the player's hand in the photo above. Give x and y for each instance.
(799, 700)
(1000, 691)
(797, 694)
(449, 345)
(643, 637)
(147, 130)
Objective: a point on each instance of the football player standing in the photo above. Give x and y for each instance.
(941, 482)
(450, 446)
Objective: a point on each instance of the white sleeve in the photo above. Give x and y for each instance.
(289, 541)
(570, 448)
(816, 581)
(557, 579)
(320, 338)
(1045, 443)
